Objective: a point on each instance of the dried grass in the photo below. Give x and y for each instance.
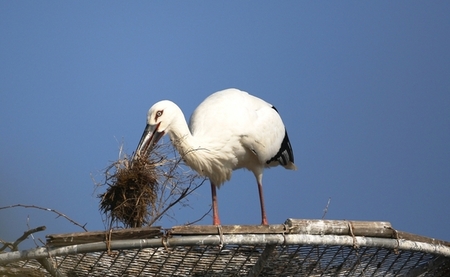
(140, 192)
(133, 189)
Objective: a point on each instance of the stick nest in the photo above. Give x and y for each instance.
(132, 189)
(140, 191)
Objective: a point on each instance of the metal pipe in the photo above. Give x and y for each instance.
(239, 239)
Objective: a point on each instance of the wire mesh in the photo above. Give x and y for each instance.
(240, 260)
(298, 248)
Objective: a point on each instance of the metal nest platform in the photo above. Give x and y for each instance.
(296, 248)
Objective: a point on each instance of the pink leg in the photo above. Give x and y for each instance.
(261, 200)
(216, 219)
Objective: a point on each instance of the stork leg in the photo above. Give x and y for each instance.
(261, 201)
(215, 208)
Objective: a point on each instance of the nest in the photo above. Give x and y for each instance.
(131, 191)
(140, 191)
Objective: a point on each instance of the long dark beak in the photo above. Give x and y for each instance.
(149, 138)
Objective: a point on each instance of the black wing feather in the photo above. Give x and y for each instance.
(285, 154)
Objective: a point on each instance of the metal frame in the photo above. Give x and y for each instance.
(244, 254)
(217, 240)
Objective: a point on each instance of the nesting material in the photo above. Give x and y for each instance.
(132, 189)
(140, 191)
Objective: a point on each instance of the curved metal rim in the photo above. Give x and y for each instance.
(235, 239)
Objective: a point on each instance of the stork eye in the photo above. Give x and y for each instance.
(159, 113)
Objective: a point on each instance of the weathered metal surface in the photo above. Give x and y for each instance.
(246, 251)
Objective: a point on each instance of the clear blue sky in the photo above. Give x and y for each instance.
(363, 88)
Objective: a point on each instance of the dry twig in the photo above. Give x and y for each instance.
(203, 216)
(325, 211)
(141, 190)
(48, 210)
(13, 245)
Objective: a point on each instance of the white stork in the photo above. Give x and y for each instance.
(230, 129)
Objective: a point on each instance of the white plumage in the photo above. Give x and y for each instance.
(230, 129)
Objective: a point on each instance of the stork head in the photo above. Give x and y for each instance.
(159, 118)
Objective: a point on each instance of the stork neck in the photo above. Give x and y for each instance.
(200, 153)
(181, 136)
